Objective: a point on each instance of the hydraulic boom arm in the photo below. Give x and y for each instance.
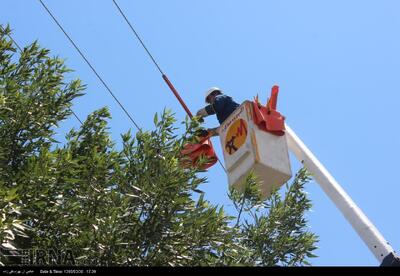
(363, 226)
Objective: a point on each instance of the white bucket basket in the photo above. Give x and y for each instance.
(246, 148)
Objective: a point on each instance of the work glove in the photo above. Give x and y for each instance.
(213, 131)
(202, 132)
(200, 119)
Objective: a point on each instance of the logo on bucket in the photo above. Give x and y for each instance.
(235, 136)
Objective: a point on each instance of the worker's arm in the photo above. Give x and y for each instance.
(206, 111)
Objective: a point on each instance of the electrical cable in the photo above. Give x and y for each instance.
(91, 66)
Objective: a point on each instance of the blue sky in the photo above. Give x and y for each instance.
(337, 64)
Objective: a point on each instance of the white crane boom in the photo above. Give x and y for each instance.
(363, 226)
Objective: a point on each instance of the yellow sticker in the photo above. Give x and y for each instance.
(235, 136)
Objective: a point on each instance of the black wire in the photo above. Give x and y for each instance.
(76, 116)
(20, 49)
(222, 165)
(90, 65)
(13, 41)
(138, 37)
(148, 52)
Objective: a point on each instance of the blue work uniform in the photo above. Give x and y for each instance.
(223, 106)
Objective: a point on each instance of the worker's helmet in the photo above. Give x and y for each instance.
(210, 91)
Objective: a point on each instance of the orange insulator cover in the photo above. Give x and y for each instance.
(266, 117)
(192, 153)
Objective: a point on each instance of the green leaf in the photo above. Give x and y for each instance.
(155, 120)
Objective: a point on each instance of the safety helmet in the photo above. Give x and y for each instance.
(210, 91)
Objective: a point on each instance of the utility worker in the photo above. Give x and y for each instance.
(219, 104)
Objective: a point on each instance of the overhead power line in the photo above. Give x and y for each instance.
(20, 49)
(90, 65)
(164, 76)
(138, 37)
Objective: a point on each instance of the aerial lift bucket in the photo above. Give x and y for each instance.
(253, 139)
